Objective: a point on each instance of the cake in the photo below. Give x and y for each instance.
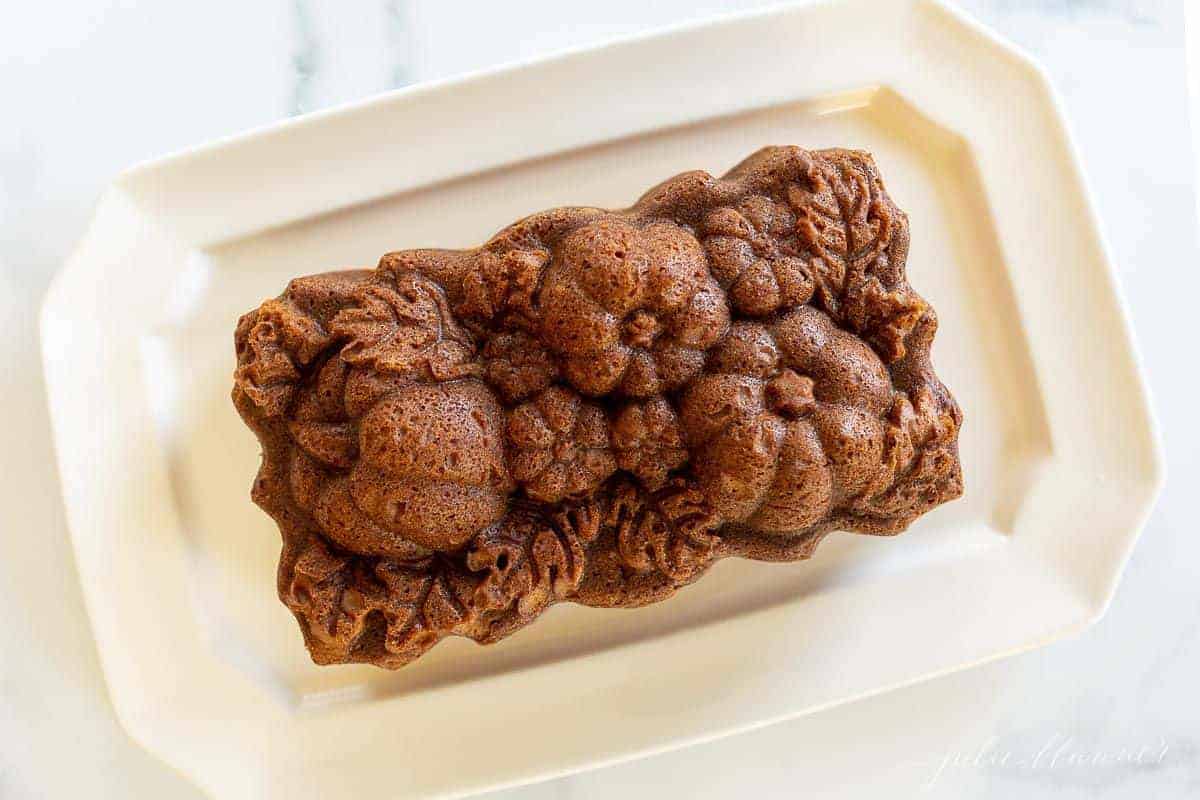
(595, 406)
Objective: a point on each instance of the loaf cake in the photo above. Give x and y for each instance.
(594, 406)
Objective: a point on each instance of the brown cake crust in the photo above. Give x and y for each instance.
(595, 405)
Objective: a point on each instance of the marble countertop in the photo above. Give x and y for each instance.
(93, 86)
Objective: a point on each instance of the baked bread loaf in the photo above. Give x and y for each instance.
(595, 405)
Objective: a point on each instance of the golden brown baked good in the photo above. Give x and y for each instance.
(595, 405)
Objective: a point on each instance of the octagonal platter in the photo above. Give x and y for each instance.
(206, 667)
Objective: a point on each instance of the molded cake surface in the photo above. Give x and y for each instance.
(595, 405)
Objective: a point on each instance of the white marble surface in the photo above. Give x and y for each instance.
(94, 85)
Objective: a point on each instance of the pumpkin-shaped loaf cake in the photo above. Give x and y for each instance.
(594, 406)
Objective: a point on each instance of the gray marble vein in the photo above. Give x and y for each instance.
(1138, 12)
(306, 59)
(399, 41)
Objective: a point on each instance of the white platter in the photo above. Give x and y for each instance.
(205, 666)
